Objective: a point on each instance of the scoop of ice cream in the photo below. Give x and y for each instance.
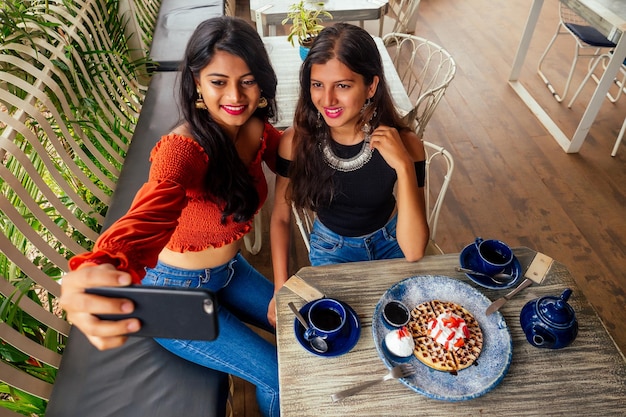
(400, 342)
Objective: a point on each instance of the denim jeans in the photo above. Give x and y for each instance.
(243, 296)
(327, 247)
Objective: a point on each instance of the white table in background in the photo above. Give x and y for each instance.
(609, 17)
(270, 13)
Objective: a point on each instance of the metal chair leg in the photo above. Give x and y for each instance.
(619, 138)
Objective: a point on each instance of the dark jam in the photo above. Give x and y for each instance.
(396, 313)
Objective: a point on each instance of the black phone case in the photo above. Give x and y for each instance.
(167, 312)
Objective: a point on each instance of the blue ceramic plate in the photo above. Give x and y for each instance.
(467, 259)
(339, 346)
(474, 381)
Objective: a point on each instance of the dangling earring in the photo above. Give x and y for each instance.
(200, 104)
(262, 103)
(366, 105)
(367, 127)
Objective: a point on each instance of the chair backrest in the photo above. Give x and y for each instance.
(426, 70)
(439, 168)
(567, 15)
(304, 220)
(403, 12)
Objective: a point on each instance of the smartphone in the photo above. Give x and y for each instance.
(167, 312)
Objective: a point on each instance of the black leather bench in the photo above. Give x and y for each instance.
(140, 378)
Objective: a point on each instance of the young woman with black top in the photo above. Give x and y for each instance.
(347, 152)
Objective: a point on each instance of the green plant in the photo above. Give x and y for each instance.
(306, 23)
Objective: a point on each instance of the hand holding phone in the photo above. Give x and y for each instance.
(167, 312)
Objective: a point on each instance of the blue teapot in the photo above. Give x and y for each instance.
(549, 322)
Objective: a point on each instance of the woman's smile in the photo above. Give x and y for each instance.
(333, 112)
(234, 110)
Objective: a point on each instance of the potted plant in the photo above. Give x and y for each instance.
(306, 24)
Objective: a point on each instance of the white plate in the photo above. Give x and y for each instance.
(474, 381)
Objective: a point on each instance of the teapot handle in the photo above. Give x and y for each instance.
(540, 337)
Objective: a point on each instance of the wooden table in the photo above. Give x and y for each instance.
(586, 378)
(269, 13)
(609, 17)
(286, 62)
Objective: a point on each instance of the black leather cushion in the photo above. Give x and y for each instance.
(590, 35)
(138, 379)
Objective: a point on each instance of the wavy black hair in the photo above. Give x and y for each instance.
(228, 180)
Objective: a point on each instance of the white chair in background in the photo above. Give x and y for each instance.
(439, 168)
(601, 62)
(254, 240)
(587, 39)
(404, 13)
(426, 69)
(620, 136)
(401, 16)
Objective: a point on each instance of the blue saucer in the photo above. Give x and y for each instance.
(468, 259)
(343, 344)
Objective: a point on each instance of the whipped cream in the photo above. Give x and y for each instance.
(448, 330)
(400, 342)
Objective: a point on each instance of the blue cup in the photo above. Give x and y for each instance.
(327, 318)
(493, 256)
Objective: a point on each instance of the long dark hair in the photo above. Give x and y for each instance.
(228, 180)
(356, 49)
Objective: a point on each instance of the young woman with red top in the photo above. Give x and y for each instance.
(347, 152)
(186, 224)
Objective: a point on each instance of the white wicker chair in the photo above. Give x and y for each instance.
(403, 12)
(426, 69)
(589, 44)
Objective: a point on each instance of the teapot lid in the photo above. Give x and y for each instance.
(555, 311)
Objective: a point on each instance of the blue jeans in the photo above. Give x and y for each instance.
(327, 247)
(243, 296)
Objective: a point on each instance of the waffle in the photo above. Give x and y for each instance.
(433, 354)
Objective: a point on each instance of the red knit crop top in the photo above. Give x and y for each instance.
(174, 210)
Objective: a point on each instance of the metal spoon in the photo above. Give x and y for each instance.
(317, 343)
(497, 278)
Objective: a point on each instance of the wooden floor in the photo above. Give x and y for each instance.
(512, 180)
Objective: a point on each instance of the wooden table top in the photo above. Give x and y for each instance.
(286, 62)
(586, 378)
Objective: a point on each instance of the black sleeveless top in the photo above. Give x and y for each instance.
(363, 199)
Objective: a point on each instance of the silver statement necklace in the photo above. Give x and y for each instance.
(353, 163)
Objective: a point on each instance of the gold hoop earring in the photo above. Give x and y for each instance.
(200, 104)
(262, 103)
